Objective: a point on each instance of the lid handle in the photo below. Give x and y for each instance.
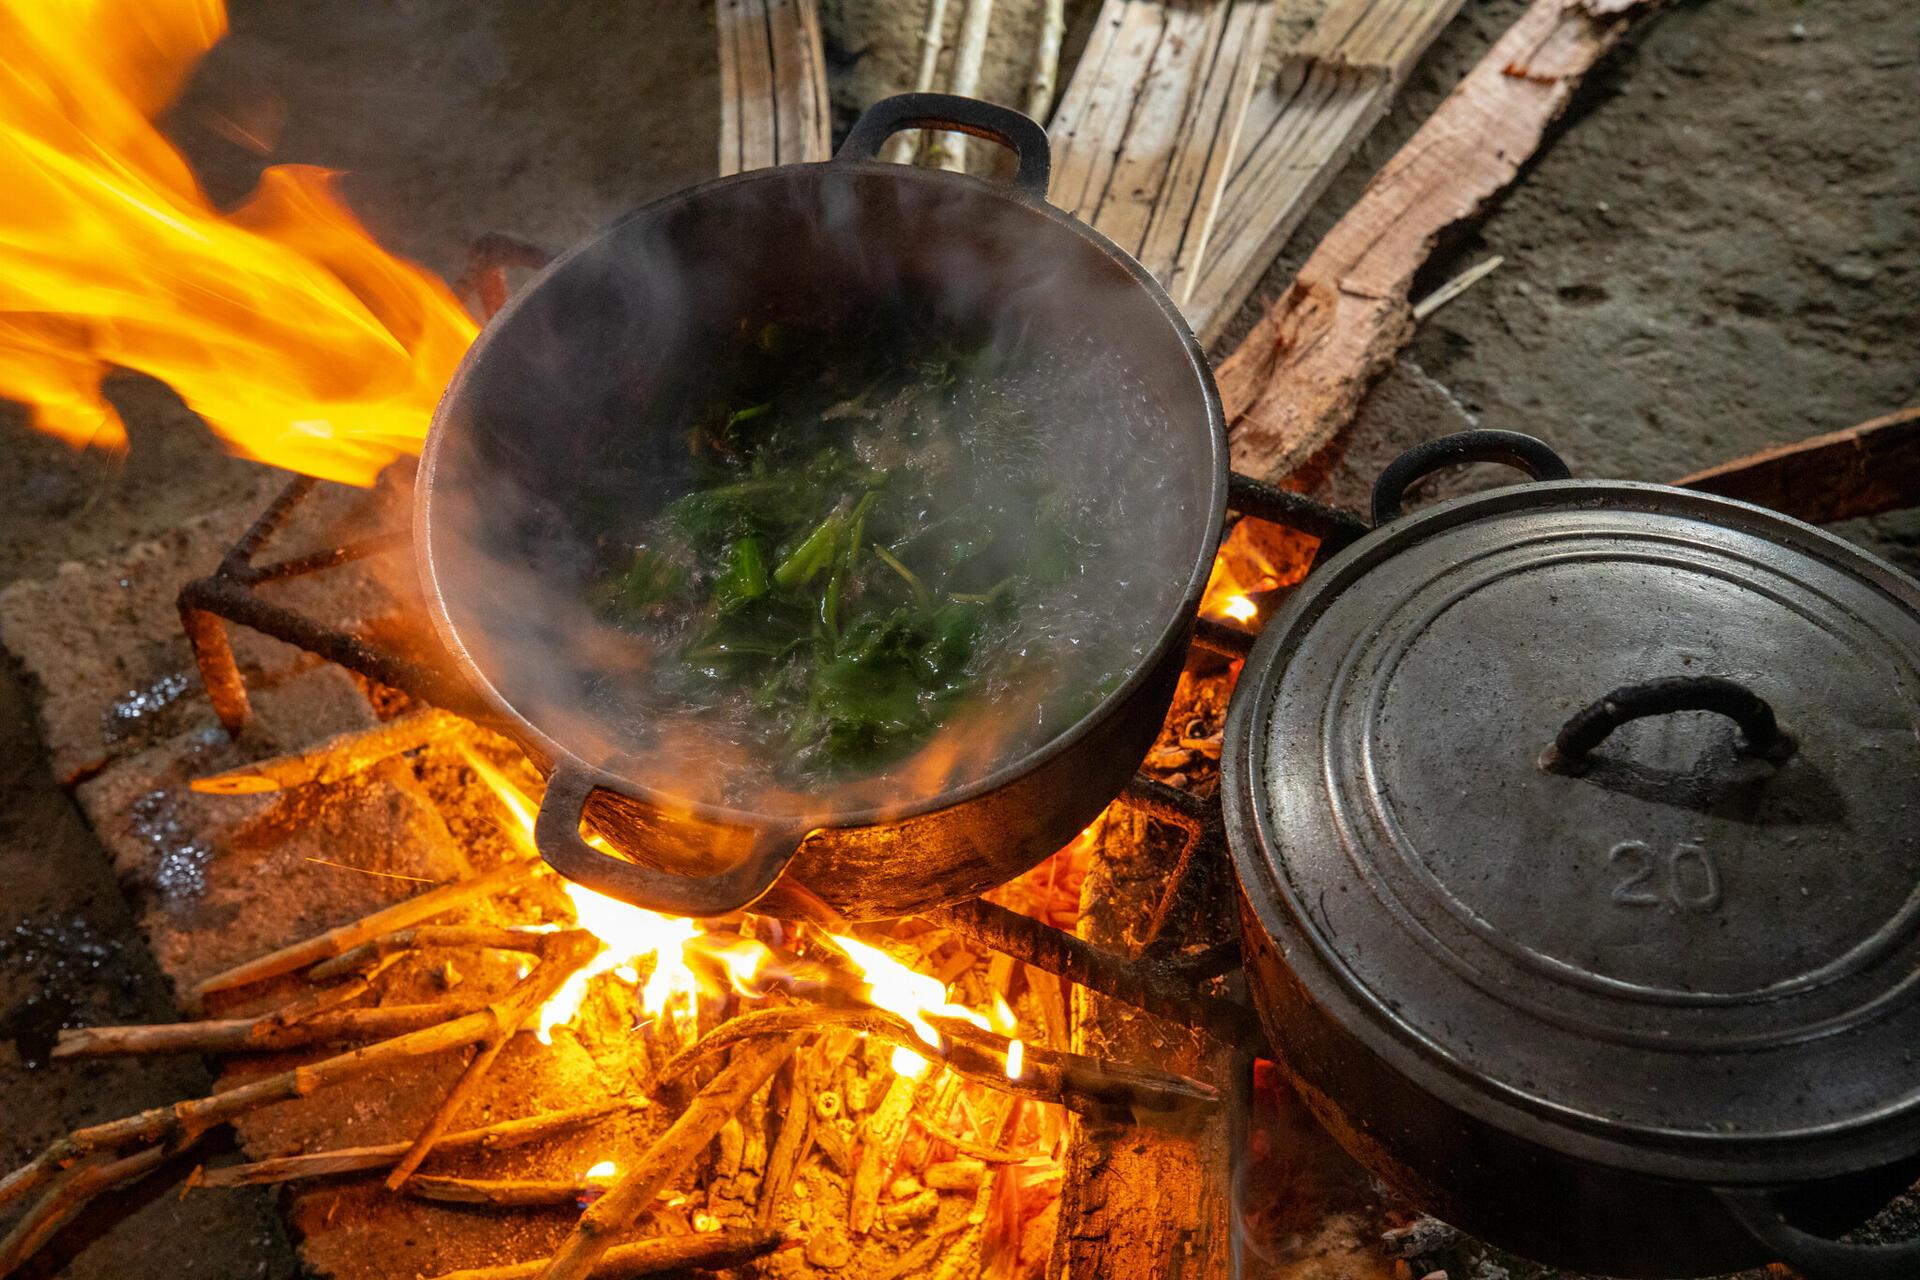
(1760, 731)
(1816, 1257)
(1528, 454)
(556, 832)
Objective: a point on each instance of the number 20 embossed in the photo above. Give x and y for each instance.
(1685, 878)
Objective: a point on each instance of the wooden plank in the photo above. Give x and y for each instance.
(1862, 471)
(1144, 135)
(1301, 129)
(1296, 379)
(773, 84)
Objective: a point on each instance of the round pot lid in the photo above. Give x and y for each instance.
(1678, 939)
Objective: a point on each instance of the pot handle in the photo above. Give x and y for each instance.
(1816, 1257)
(1760, 731)
(556, 833)
(1012, 130)
(1528, 454)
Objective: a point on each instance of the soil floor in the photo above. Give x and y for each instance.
(1719, 252)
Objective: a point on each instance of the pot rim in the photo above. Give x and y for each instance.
(1779, 1157)
(1178, 626)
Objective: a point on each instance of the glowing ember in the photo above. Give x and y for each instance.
(1240, 609)
(605, 1169)
(1016, 1059)
(299, 340)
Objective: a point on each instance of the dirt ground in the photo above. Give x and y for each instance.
(1720, 252)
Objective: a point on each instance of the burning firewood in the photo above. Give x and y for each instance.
(1072, 1080)
(753, 1065)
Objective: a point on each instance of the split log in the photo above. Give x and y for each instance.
(705, 1251)
(1145, 133)
(582, 1252)
(773, 84)
(1301, 129)
(337, 758)
(1297, 378)
(345, 1160)
(1862, 471)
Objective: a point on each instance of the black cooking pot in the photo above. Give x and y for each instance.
(591, 360)
(1575, 828)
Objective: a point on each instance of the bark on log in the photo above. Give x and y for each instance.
(1862, 471)
(1297, 378)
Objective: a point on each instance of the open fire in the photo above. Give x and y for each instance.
(303, 344)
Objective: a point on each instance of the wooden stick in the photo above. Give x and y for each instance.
(494, 1137)
(1046, 58)
(337, 758)
(880, 1138)
(263, 1034)
(614, 1212)
(981, 1151)
(1862, 471)
(522, 1193)
(796, 1127)
(1139, 983)
(184, 1122)
(421, 937)
(72, 1193)
(539, 987)
(968, 53)
(299, 955)
(901, 146)
(1297, 378)
(702, 1251)
(1072, 1080)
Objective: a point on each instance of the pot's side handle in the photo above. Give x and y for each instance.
(1012, 130)
(1528, 454)
(1816, 1257)
(556, 833)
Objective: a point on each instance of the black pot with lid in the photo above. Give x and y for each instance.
(1576, 829)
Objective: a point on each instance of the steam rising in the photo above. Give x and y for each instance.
(571, 416)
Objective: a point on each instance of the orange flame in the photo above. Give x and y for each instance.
(297, 338)
(631, 936)
(1240, 571)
